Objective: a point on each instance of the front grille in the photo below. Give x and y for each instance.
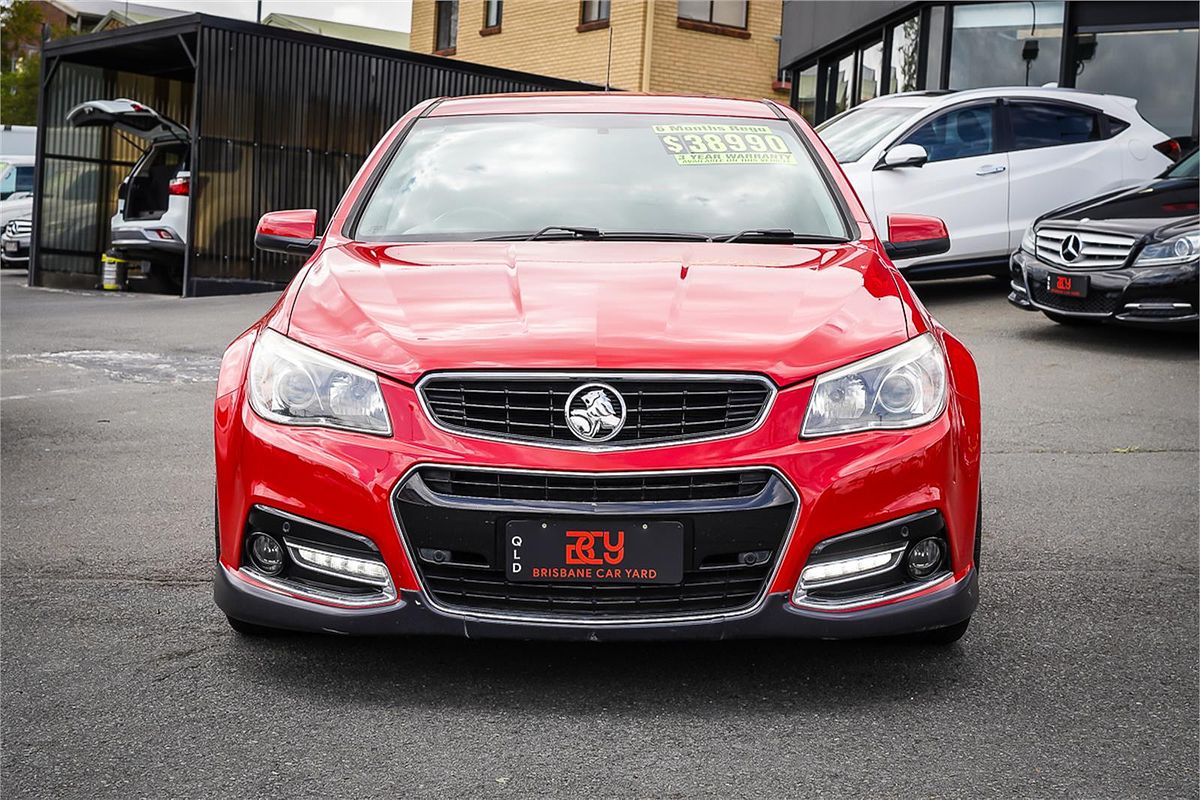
(1096, 302)
(1099, 250)
(725, 514)
(595, 488)
(658, 409)
(18, 227)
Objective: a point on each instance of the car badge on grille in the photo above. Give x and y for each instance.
(595, 412)
(1071, 248)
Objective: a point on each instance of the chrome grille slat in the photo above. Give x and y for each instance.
(660, 408)
(1099, 250)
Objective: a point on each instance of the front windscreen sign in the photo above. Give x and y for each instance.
(702, 144)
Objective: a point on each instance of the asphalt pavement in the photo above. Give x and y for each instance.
(120, 678)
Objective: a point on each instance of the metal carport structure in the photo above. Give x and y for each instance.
(278, 119)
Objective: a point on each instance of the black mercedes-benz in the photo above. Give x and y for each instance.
(1129, 256)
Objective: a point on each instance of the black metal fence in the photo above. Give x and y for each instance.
(278, 119)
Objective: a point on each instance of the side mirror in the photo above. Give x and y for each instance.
(912, 235)
(293, 233)
(903, 155)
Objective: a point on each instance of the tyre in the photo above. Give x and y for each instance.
(1065, 320)
(248, 628)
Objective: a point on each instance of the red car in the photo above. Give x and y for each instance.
(599, 367)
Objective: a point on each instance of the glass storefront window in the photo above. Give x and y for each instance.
(1157, 68)
(870, 69)
(902, 73)
(937, 45)
(806, 93)
(841, 75)
(990, 42)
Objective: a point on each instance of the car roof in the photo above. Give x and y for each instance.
(603, 102)
(926, 100)
(20, 161)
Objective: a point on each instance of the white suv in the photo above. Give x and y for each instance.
(151, 222)
(989, 161)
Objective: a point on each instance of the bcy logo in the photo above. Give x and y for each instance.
(582, 551)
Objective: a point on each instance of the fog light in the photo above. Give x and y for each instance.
(343, 566)
(925, 557)
(266, 553)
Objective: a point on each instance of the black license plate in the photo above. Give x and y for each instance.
(592, 551)
(1067, 285)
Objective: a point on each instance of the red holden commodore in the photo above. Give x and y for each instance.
(599, 367)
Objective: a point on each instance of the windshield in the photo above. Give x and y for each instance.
(1188, 168)
(465, 178)
(848, 136)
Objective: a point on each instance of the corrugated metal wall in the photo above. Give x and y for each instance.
(287, 124)
(84, 166)
(283, 120)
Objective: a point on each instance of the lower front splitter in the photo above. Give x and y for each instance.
(777, 618)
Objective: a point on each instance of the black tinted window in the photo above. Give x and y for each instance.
(1050, 125)
(961, 133)
(24, 179)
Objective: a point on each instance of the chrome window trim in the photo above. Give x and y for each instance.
(587, 377)
(594, 622)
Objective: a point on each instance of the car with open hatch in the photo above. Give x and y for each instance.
(595, 367)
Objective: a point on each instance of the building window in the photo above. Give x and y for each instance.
(841, 75)
(1156, 67)
(902, 66)
(1005, 44)
(804, 89)
(493, 12)
(936, 54)
(870, 69)
(592, 11)
(445, 37)
(730, 13)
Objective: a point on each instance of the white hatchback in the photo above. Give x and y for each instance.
(989, 161)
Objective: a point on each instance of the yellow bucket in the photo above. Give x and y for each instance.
(113, 272)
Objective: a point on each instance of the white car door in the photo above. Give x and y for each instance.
(965, 183)
(1059, 156)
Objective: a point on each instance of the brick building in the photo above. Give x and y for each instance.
(721, 47)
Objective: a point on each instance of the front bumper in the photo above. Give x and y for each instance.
(1166, 296)
(777, 618)
(14, 252)
(840, 484)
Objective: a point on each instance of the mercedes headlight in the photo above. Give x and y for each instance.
(295, 385)
(1176, 250)
(899, 388)
(1029, 240)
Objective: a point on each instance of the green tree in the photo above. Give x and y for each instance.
(21, 25)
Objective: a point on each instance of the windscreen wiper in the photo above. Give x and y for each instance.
(573, 232)
(782, 235)
(576, 233)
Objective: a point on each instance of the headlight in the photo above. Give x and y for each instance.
(1029, 240)
(1176, 250)
(295, 385)
(898, 388)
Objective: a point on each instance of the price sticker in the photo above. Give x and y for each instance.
(701, 144)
